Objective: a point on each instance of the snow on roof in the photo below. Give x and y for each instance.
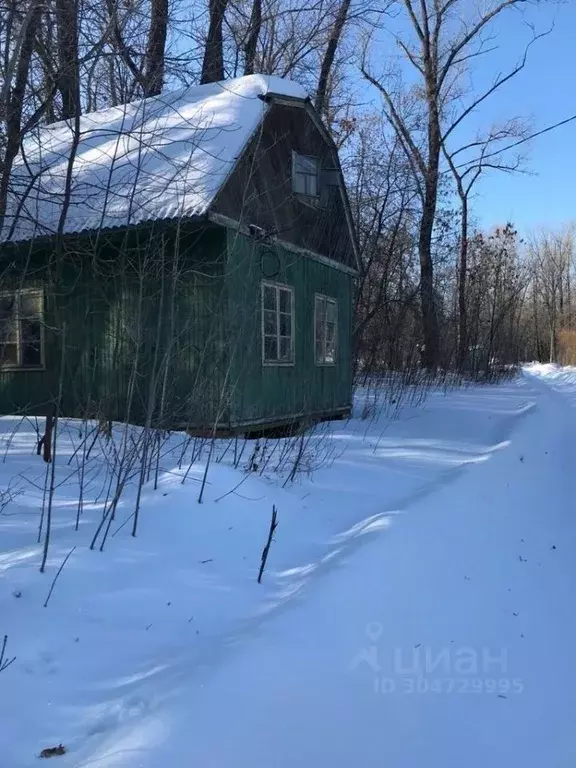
(158, 158)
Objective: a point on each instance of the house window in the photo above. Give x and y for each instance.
(21, 329)
(305, 172)
(325, 322)
(277, 324)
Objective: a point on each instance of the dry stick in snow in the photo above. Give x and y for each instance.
(213, 440)
(122, 481)
(224, 452)
(266, 550)
(168, 354)
(53, 465)
(191, 463)
(58, 574)
(4, 662)
(238, 455)
(83, 443)
(269, 457)
(152, 390)
(207, 467)
(185, 445)
(158, 445)
(45, 441)
(41, 526)
(302, 442)
(233, 490)
(51, 472)
(11, 437)
(80, 506)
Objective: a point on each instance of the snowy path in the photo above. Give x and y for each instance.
(481, 579)
(446, 639)
(447, 586)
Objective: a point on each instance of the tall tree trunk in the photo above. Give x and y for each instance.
(68, 59)
(430, 329)
(45, 45)
(535, 315)
(156, 48)
(569, 296)
(462, 275)
(252, 39)
(12, 104)
(213, 62)
(329, 54)
(427, 298)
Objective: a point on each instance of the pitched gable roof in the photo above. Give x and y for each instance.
(158, 158)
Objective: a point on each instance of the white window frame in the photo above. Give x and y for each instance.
(19, 366)
(322, 360)
(277, 287)
(311, 195)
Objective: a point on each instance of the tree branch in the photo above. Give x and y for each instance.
(459, 46)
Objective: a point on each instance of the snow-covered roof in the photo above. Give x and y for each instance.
(157, 158)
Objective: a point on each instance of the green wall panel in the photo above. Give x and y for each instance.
(263, 392)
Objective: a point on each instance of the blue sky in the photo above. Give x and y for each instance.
(546, 91)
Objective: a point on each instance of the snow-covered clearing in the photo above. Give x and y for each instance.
(416, 610)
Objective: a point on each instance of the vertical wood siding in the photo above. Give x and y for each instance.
(134, 322)
(194, 342)
(267, 392)
(259, 191)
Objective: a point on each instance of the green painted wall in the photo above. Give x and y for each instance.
(171, 317)
(260, 392)
(140, 314)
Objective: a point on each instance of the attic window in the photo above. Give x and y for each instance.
(305, 172)
(21, 329)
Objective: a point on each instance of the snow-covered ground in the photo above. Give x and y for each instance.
(416, 610)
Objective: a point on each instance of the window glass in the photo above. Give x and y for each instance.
(325, 330)
(21, 329)
(305, 172)
(277, 324)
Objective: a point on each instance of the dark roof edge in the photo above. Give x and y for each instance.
(282, 97)
(45, 238)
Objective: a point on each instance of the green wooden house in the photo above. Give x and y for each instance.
(186, 261)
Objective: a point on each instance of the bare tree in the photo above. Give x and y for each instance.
(551, 257)
(156, 48)
(251, 44)
(465, 178)
(68, 57)
(382, 196)
(328, 59)
(20, 34)
(149, 31)
(441, 40)
(213, 62)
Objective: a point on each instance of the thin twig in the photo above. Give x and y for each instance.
(4, 662)
(58, 574)
(266, 550)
